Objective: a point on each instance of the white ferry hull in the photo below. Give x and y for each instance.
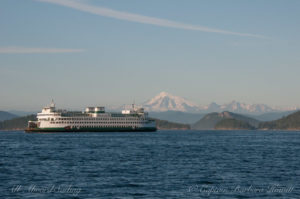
(94, 119)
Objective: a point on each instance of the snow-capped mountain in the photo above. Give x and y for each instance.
(253, 108)
(238, 107)
(168, 102)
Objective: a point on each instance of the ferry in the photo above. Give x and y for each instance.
(93, 119)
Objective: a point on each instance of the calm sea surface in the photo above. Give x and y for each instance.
(164, 164)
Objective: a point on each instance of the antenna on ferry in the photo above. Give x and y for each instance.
(133, 105)
(52, 103)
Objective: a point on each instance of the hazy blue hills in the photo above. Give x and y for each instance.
(290, 122)
(6, 115)
(18, 123)
(166, 125)
(272, 115)
(191, 118)
(178, 116)
(22, 113)
(210, 120)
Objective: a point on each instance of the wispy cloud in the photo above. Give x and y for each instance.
(106, 12)
(24, 50)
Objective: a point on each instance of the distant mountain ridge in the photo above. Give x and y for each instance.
(238, 107)
(167, 102)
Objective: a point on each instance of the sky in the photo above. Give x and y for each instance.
(113, 52)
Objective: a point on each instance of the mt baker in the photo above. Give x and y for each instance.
(168, 102)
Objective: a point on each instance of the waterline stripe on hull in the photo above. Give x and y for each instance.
(36, 130)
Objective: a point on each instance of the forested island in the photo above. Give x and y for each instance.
(232, 121)
(290, 122)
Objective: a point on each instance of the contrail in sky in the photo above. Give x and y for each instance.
(106, 12)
